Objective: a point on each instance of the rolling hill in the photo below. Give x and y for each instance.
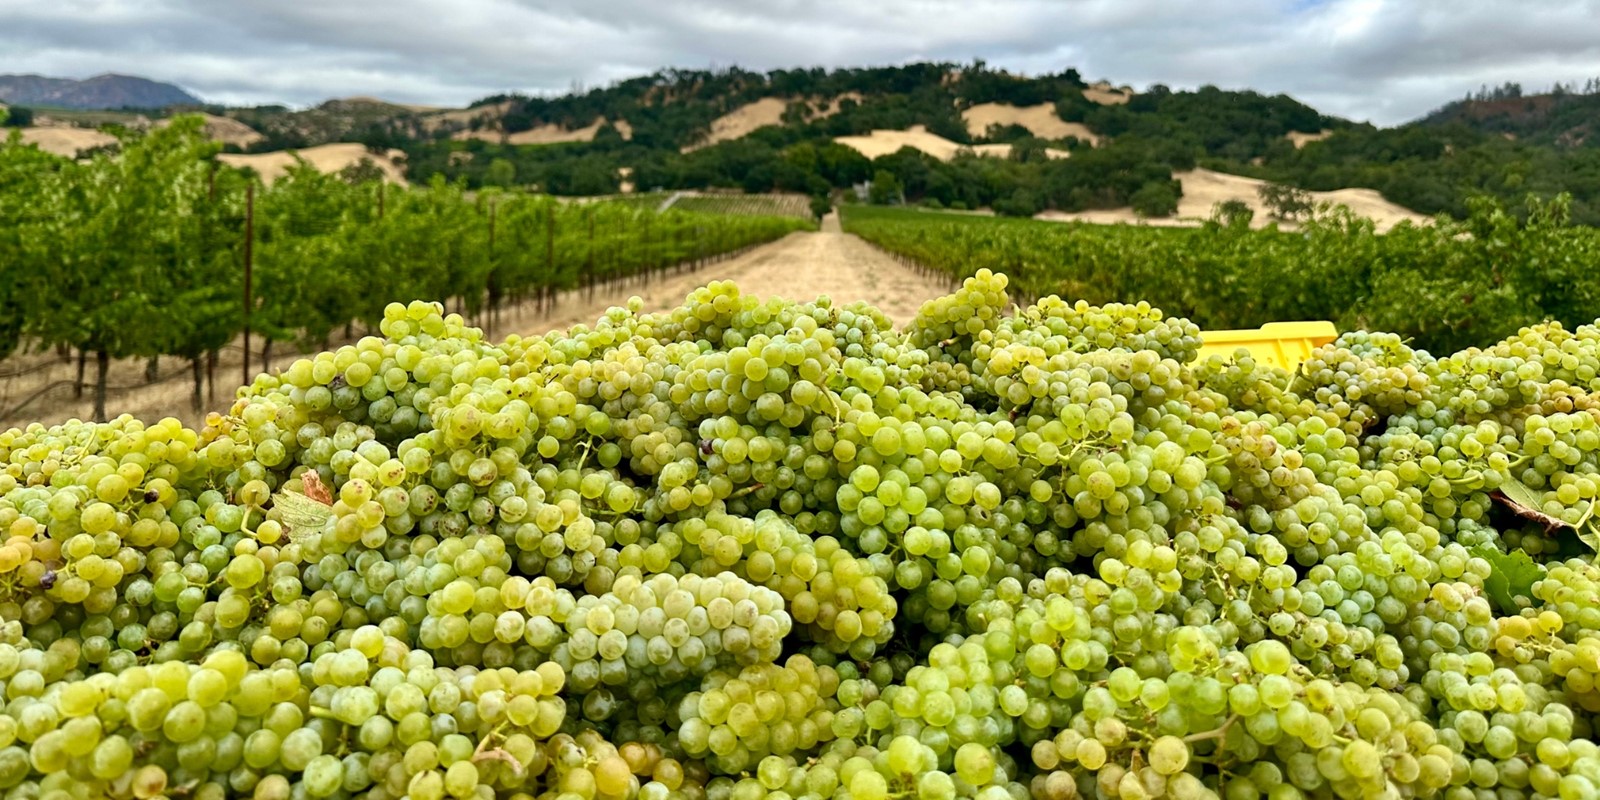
(963, 136)
(107, 91)
(941, 134)
(1562, 118)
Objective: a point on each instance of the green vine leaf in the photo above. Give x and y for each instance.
(303, 514)
(1513, 575)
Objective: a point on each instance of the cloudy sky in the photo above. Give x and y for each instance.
(1381, 60)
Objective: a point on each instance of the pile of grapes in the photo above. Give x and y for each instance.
(754, 550)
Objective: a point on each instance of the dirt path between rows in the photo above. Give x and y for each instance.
(799, 266)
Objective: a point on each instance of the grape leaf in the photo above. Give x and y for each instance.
(1525, 503)
(1512, 575)
(303, 515)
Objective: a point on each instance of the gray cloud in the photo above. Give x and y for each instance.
(1381, 60)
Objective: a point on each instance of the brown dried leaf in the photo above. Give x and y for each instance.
(1525, 503)
(1521, 500)
(315, 488)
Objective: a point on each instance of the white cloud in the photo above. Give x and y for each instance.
(1381, 60)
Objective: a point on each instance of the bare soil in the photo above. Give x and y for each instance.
(801, 265)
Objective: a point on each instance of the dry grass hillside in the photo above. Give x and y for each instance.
(485, 116)
(326, 158)
(750, 117)
(883, 142)
(1040, 120)
(546, 134)
(743, 121)
(67, 142)
(1107, 95)
(70, 141)
(1300, 139)
(227, 131)
(555, 134)
(1203, 189)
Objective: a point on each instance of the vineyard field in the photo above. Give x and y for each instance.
(146, 254)
(760, 205)
(734, 203)
(1443, 287)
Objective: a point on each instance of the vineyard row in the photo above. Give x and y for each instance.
(162, 251)
(1444, 286)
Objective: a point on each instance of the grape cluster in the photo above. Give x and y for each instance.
(1364, 378)
(662, 631)
(752, 549)
(837, 594)
(738, 718)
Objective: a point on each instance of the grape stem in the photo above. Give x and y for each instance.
(1219, 732)
(483, 745)
(484, 752)
(496, 754)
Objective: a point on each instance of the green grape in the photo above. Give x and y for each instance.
(747, 548)
(974, 764)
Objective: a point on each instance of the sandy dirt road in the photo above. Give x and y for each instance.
(802, 265)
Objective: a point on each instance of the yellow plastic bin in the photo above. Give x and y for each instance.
(1281, 344)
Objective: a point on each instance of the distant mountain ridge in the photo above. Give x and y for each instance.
(109, 91)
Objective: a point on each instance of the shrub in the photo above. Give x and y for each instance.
(1155, 199)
